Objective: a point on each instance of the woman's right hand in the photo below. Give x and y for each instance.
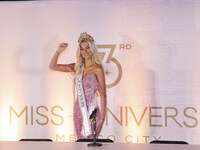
(62, 47)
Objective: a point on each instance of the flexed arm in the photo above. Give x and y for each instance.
(60, 67)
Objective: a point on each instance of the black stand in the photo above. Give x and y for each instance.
(95, 144)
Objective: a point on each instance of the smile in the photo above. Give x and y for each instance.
(85, 54)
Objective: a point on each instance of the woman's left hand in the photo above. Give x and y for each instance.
(99, 125)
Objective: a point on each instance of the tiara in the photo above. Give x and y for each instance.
(85, 36)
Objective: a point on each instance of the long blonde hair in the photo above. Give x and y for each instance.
(80, 60)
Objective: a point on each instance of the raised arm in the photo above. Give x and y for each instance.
(60, 67)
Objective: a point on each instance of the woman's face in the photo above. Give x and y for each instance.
(85, 50)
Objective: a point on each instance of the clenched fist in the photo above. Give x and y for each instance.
(62, 47)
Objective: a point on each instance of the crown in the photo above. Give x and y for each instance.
(85, 36)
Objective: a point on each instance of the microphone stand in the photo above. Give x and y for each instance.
(94, 144)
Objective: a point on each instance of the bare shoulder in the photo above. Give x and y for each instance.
(100, 74)
(98, 69)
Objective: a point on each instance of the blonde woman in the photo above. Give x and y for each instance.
(89, 85)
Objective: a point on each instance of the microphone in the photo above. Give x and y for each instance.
(93, 113)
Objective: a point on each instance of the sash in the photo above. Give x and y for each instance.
(86, 128)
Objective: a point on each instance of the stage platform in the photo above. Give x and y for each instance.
(83, 146)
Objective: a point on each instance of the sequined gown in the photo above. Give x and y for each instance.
(90, 87)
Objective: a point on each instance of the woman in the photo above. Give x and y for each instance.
(89, 85)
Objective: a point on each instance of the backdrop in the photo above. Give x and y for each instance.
(151, 61)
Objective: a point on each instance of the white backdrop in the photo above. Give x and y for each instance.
(152, 71)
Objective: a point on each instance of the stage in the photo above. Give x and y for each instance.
(150, 51)
(83, 146)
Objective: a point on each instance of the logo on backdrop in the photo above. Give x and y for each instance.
(111, 66)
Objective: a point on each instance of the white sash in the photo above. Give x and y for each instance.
(86, 128)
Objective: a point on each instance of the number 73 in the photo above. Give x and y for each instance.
(106, 57)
